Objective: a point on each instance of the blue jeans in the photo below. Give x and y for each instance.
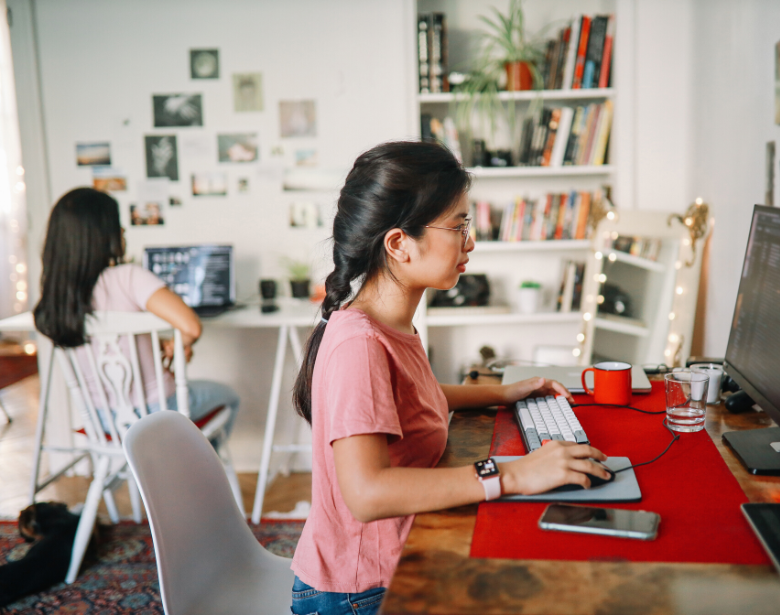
(308, 601)
(204, 396)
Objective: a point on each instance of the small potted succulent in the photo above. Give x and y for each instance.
(528, 297)
(299, 272)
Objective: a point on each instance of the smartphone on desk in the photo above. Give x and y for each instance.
(605, 521)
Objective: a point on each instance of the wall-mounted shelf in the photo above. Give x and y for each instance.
(571, 170)
(628, 326)
(573, 95)
(454, 320)
(531, 246)
(636, 261)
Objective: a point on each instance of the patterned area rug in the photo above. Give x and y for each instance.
(123, 576)
(15, 367)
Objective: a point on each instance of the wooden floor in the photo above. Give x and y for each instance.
(16, 455)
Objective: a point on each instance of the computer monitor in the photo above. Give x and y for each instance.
(753, 351)
(202, 275)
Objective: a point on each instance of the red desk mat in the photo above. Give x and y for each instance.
(690, 487)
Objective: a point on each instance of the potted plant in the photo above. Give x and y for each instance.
(528, 297)
(298, 272)
(507, 53)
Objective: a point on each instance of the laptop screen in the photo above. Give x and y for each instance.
(201, 275)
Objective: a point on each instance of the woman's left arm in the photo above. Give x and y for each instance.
(461, 396)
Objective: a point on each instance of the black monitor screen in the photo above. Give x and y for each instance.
(200, 275)
(753, 352)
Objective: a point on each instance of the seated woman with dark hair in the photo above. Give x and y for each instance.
(83, 273)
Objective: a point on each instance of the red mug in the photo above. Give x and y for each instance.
(611, 382)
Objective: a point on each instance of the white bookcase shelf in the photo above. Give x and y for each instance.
(563, 95)
(532, 246)
(570, 170)
(510, 318)
(621, 325)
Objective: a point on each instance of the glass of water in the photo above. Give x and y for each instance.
(686, 399)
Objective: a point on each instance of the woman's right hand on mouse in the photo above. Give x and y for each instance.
(556, 463)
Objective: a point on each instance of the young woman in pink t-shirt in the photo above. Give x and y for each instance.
(83, 273)
(378, 415)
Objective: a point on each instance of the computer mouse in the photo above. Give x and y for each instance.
(595, 481)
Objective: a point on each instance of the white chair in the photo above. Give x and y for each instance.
(208, 560)
(118, 378)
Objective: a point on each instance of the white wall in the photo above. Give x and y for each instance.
(733, 118)
(100, 63)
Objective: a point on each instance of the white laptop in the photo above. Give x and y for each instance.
(570, 377)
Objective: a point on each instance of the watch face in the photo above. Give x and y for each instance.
(487, 468)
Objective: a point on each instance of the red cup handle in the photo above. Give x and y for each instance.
(585, 386)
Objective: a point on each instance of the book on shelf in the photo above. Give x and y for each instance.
(606, 58)
(554, 216)
(445, 131)
(562, 136)
(580, 55)
(642, 247)
(582, 49)
(570, 293)
(432, 52)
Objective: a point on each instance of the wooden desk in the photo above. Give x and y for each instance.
(437, 576)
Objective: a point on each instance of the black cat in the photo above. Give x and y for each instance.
(52, 529)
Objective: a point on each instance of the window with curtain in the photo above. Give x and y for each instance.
(13, 265)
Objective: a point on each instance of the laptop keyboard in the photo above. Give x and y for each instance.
(547, 418)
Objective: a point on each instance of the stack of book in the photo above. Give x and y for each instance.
(643, 247)
(554, 216)
(580, 57)
(570, 293)
(432, 52)
(444, 131)
(563, 136)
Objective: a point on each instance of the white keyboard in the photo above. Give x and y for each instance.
(547, 418)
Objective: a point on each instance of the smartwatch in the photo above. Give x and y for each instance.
(490, 477)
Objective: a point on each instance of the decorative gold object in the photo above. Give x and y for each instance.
(598, 211)
(677, 358)
(695, 218)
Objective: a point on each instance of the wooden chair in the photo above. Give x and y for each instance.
(117, 378)
(208, 560)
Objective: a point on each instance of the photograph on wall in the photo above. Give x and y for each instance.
(109, 179)
(177, 110)
(209, 184)
(242, 185)
(305, 215)
(239, 147)
(247, 92)
(298, 118)
(204, 63)
(174, 201)
(93, 154)
(777, 83)
(146, 214)
(162, 159)
(306, 158)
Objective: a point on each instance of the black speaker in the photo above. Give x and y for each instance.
(471, 290)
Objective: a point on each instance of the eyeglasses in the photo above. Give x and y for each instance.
(463, 229)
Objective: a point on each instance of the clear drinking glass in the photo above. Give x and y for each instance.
(686, 399)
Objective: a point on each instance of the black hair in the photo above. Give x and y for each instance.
(84, 237)
(402, 184)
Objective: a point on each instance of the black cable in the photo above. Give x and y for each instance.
(675, 436)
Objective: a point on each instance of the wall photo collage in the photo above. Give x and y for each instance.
(174, 114)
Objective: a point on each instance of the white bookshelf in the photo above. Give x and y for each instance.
(519, 172)
(454, 339)
(527, 96)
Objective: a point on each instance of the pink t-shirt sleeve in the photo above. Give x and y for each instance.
(359, 391)
(142, 284)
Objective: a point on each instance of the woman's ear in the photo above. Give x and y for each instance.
(397, 245)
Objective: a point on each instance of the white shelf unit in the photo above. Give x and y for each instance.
(662, 292)
(454, 341)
